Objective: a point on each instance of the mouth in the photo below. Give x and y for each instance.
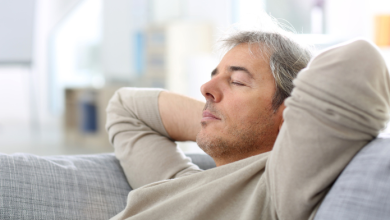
(208, 116)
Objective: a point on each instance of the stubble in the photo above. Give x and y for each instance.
(238, 139)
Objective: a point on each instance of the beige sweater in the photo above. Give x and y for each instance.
(340, 103)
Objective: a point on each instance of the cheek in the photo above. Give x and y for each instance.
(241, 110)
(249, 111)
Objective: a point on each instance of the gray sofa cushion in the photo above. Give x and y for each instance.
(66, 187)
(362, 191)
(61, 187)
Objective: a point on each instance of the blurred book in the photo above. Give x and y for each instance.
(382, 30)
(85, 116)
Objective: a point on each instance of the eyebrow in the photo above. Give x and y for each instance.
(240, 68)
(232, 69)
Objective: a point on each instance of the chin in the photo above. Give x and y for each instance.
(204, 142)
(214, 146)
(236, 141)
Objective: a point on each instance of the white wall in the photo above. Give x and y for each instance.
(25, 90)
(354, 18)
(16, 28)
(347, 18)
(14, 96)
(185, 40)
(48, 14)
(116, 44)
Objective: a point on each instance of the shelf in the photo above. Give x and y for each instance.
(75, 131)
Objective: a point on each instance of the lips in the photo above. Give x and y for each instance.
(208, 116)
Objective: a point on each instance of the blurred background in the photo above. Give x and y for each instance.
(62, 60)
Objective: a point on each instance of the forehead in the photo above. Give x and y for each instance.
(250, 56)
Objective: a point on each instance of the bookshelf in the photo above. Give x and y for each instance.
(85, 116)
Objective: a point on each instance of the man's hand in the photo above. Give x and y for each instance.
(180, 115)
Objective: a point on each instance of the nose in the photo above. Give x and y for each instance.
(211, 90)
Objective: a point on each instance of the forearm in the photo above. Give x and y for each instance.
(180, 115)
(141, 143)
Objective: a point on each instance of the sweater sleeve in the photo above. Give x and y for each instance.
(340, 102)
(141, 143)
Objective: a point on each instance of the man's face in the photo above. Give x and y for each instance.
(238, 119)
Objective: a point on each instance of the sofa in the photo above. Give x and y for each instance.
(95, 187)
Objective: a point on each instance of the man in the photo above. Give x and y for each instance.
(326, 123)
(244, 93)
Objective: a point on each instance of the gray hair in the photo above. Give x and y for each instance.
(286, 58)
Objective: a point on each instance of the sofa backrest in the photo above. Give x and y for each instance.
(66, 187)
(362, 190)
(61, 187)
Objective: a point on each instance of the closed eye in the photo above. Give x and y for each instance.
(237, 83)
